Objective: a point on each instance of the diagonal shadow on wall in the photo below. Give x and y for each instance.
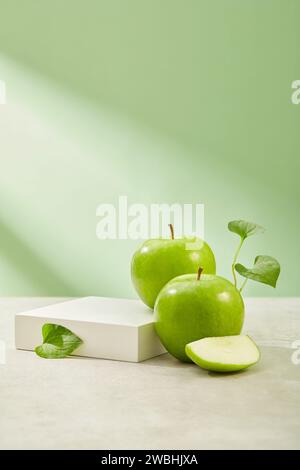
(43, 278)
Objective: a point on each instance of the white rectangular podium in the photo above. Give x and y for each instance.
(119, 329)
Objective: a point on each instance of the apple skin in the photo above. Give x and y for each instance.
(158, 261)
(188, 309)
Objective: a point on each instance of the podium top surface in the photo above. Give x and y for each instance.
(113, 311)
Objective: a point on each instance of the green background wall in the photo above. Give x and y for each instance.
(160, 100)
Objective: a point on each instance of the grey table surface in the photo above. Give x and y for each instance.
(81, 403)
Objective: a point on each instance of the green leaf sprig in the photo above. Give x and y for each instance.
(266, 269)
(58, 342)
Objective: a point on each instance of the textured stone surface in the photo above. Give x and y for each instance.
(160, 403)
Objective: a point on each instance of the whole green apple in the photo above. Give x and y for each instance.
(191, 307)
(158, 261)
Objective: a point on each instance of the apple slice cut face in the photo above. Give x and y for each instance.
(223, 354)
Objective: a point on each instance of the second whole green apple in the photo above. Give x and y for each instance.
(158, 261)
(192, 307)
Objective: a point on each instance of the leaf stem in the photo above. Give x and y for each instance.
(243, 285)
(235, 259)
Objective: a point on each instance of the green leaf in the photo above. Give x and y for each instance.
(58, 342)
(266, 270)
(244, 229)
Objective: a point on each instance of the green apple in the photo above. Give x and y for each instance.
(195, 306)
(224, 354)
(158, 261)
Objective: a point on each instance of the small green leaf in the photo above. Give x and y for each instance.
(266, 270)
(244, 229)
(58, 342)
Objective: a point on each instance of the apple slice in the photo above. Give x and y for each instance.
(224, 353)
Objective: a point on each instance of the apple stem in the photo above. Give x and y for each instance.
(199, 273)
(172, 231)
